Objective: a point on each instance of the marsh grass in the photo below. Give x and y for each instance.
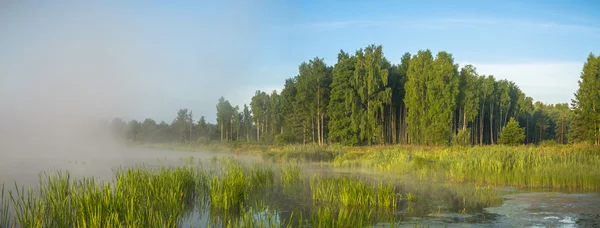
(352, 192)
(331, 216)
(299, 153)
(230, 188)
(5, 216)
(139, 197)
(291, 175)
(572, 167)
(231, 193)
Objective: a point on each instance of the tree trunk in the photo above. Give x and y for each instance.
(318, 130)
(323, 129)
(312, 126)
(257, 131)
(464, 120)
(481, 124)
(221, 131)
(304, 134)
(491, 123)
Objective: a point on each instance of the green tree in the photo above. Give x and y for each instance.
(371, 79)
(260, 112)
(586, 105)
(419, 70)
(441, 95)
(225, 118)
(512, 133)
(341, 128)
(247, 122)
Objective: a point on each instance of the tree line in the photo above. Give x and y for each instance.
(364, 99)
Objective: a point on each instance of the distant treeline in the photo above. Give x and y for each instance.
(364, 99)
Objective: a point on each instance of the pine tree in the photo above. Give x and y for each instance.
(512, 133)
(341, 128)
(586, 105)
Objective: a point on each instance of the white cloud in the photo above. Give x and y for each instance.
(549, 82)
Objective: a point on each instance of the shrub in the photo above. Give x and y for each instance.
(463, 138)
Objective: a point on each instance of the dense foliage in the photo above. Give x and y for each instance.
(512, 133)
(365, 99)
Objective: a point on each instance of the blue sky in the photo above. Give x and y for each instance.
(149, 58)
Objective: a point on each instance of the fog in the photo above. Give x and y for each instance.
(67, 69)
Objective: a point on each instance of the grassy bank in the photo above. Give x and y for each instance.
(559, 167)
(568, 167)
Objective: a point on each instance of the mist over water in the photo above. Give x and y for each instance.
(67, 69)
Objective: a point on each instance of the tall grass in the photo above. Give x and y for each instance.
(351, 192)
(291, 175)
(5, 216)
(230, 189)
(300, 153)
(573, 167)
(137, 198)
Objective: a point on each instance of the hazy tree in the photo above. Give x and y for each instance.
(133, 130)
(180, 125)
(148, 128)
(247, 121)
(224, 118)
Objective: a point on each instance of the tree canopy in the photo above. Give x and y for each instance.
(364, 99)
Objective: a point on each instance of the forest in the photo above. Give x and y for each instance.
(365, 99)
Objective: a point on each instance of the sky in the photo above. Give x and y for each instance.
(147, 59)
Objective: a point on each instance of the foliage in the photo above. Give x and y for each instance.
(365, 99)
(512, 133)
(586, 105)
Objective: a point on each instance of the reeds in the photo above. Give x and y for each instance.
(5, 216)
(290, 175)
(139, 197)
(571, 167)
(351, 192)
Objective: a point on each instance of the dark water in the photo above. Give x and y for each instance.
(432, 203)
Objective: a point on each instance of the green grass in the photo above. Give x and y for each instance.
(328, 216)
(299, 153)
(5, 217)
(351, 192)
(232, 193)
(139, 197)
(564, 167)
(572, 167)
(229, 191)
(290, 175)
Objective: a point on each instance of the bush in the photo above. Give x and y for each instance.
(463, 138)
(512, 133)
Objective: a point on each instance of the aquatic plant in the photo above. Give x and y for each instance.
(139, 197)
(290, 175)
(351, 192)
(229, 191)
(5, 217)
